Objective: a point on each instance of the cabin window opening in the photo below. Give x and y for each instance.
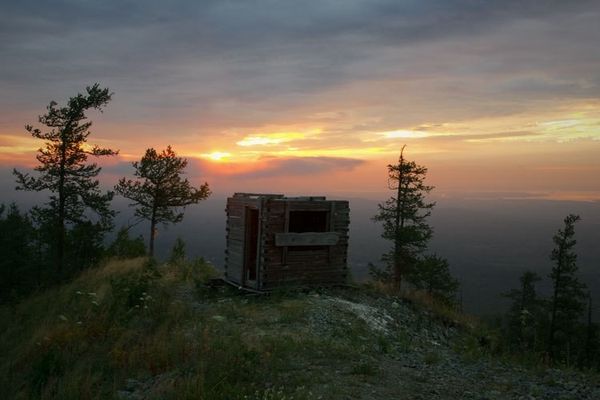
(307, 248)
(308, 221)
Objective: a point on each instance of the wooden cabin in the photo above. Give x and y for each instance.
(273, 240)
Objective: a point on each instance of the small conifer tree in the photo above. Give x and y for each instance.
(159, 192)
(524, 313)
(177, 252)
(64, 170)
(125, 246)
(568, 298)
(432, 274)
(404, 217)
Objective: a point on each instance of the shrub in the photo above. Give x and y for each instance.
(177, 252)
(126, 247)
(132, 291)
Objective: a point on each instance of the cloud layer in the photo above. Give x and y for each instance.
(299, 84)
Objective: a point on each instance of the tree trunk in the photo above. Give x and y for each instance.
(60, 223)
(588, 338)
(398, 222)
(554, 306)
(520, 337)
(152, 232)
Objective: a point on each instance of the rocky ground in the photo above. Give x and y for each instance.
(375, 347)
(425, 361)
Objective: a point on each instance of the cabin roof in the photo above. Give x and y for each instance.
(279, 197)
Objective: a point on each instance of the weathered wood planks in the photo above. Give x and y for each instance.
(307, 239)
(304, 257)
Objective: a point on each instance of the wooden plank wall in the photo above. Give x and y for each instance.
(310, 266)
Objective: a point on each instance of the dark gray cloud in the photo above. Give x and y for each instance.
(239, 63)
(277, 167)
(119, 168)
(302, 166)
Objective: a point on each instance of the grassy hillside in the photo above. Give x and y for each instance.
(133, 330)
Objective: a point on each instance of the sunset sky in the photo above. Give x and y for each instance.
(496, 98)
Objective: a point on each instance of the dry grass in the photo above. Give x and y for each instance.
(114, 268)
(161, 328)
(130, 320)
(447, 313)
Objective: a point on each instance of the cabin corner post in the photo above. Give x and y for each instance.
(226, 238)
(286, 229)
(331, 228)
(261, 241)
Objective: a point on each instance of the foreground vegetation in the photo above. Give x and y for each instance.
(132, 329)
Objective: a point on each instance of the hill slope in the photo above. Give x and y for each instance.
(130, 330)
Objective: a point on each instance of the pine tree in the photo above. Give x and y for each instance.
(568, 298)
(159, 192)
(404, 216)
(524, 312)
(125, 247)
(177, 252)
(18, 261)
(591, 349)
(432, 274)
(64, 171)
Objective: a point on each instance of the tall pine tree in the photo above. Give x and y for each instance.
(64, 170)
(568, 298)
(404, 216)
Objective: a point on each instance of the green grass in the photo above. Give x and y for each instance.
(122, 321)
(136, 327)
(161, 328)
(365, 367)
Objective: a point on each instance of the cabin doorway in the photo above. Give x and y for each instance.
(250, 247)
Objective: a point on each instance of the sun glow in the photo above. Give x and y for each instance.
(216, 156)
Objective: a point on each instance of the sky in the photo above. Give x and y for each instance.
(497, 98)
